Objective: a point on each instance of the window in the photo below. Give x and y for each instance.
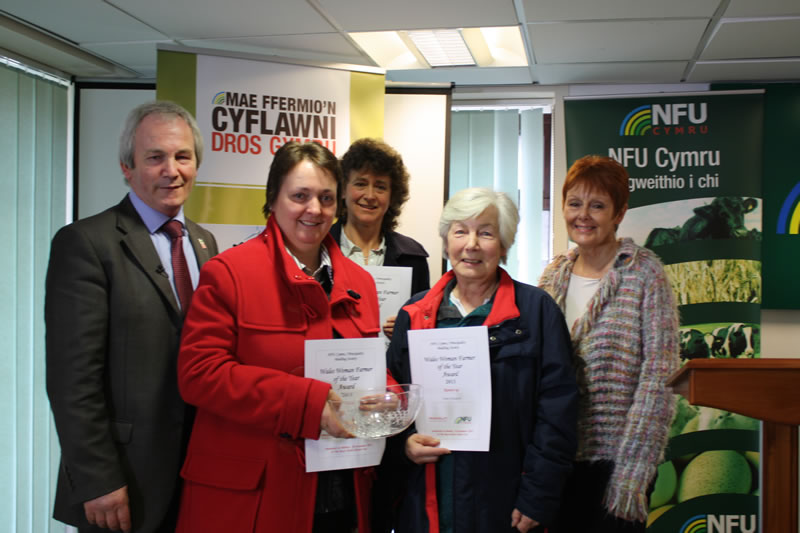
(508, 149)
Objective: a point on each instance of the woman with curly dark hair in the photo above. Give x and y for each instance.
(376, 187)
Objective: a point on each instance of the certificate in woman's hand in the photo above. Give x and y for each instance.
(452, 365)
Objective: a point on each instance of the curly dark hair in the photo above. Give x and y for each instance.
(378, 158)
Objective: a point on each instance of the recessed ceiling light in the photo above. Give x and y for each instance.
(442, 48)
(479, 47)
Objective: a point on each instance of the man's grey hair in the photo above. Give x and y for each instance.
(470, 203)
(127, 139)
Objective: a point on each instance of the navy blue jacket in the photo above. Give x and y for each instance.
(401, 251)
(534, 415)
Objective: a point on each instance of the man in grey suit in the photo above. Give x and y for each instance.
(113, 320)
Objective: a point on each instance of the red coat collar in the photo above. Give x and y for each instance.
(273, 239)
(423, 312)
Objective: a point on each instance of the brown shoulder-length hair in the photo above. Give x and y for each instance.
(378, 158)
(288, 156)
(599, 173)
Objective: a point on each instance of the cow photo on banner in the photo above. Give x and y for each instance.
(695, 164)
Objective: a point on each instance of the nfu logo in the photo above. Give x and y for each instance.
(665, 119)
(720, 523)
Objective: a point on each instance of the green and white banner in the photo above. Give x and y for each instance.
(695, 163)
(246, 109)
(781, 197)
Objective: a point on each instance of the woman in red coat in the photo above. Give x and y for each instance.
(241, 363)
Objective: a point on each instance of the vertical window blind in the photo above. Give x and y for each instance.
(33, 205)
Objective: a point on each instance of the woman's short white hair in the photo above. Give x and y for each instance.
(470, 203)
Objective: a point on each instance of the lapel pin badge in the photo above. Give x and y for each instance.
(202, 244)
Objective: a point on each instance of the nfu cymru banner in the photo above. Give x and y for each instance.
(695, 165)
(246, 109)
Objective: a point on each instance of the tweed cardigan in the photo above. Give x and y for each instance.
(628, 341)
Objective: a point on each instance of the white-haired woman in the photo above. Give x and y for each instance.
(517, 484)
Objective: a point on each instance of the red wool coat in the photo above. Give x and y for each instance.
(241, 364)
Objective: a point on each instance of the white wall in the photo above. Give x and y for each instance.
(414, 125)
(780, 333)
(102, 112)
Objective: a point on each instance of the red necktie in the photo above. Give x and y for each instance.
(180, 271)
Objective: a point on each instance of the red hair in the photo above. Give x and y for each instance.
(599, 173)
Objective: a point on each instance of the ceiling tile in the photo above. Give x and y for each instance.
(84, 65)
(463, 75)
(786, 70)
(587, 42)
(336, 47)
(81, 21)
(739, 40)
(140, 56)
(553, 10)
(660, 72)
(641, 41)
(762, 8)
(29, 45)
(188, 19)
(384, 15)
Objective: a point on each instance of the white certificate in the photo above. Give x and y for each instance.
(394, 288)
(349, 365)
(452, 365)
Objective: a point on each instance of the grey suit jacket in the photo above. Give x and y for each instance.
(113, 331)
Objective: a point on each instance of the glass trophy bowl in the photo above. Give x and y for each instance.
(381, 412)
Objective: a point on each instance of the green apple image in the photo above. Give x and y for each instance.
(715, 472)
(711, 418)
(691, 425)
(753, 457)
(666, 483)
(684, 412)
(728, 420)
